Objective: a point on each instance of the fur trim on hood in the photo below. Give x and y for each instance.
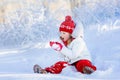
(78, 31)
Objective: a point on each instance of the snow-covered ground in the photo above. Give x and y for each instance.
(26, 42)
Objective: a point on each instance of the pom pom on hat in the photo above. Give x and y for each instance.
(68, 25)
(68, 18)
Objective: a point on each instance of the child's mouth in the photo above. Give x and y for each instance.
(61, 38)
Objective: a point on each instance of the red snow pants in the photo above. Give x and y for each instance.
(79, 65)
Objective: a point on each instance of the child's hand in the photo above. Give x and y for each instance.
(56, 45)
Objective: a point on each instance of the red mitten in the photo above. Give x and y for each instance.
(56, 45)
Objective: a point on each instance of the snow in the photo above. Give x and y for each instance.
(26, 42)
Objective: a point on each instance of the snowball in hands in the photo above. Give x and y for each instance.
(56, 45)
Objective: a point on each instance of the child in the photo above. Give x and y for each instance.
(73, 49)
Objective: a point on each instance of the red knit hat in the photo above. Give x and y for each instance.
(68, 25)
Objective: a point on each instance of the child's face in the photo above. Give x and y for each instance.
(64, 35)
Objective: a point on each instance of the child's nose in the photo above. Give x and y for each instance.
(60, 35)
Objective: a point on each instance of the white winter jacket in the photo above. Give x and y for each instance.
(75, 51)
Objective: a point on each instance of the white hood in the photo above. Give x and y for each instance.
(78, 31)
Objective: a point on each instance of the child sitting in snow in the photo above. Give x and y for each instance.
(73, 49)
